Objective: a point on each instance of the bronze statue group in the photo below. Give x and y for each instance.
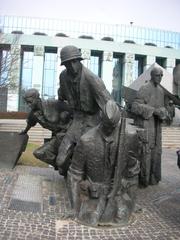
(103, 155)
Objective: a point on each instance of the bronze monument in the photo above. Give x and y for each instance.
(103, 176)
(149, 109)
(86, 95)
(101, 153)
(50, 114)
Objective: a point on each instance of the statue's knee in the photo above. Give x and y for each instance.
(60, 160)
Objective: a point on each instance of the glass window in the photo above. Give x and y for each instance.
(50, 73)
(138, 65)
(6, 22)
(161, 61)
(177, 61)
(27, 65)
(117, 77)
(71, 28)
(95, 62)
(25, 76)
(10, 22)
(135, 69)
(15, 22)
(19, 23)
(5, 65)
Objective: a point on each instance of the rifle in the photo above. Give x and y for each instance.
(130, 94)
(171, 96)
(105, 207)
(120, 159)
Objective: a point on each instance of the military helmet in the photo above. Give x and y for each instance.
(32, 92)
(69, 53)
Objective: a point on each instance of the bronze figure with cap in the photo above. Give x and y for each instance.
(86, 94)
(103, 176)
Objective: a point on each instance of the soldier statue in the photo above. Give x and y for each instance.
(53, 115)
(150, 111)
(86, 94)
(103, 176)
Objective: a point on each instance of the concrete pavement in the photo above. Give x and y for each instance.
(33, 203)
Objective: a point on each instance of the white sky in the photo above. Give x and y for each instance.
(163, 14)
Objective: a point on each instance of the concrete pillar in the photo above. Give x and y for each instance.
(149, 61)
(14, 77)
(107, 70)
(170, 64)
(38, 66)
(128, 69)
(86, 55)
(59, 69)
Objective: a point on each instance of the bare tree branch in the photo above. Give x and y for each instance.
(9, 58)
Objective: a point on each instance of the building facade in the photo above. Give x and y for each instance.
(30, 50)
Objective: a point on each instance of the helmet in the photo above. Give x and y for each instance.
(69, 53)
(32, 92)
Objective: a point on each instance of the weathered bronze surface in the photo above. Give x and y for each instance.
(50, 114)
(103, 154)
(103, 176)
(150, 112)
(12, 145)
(86, 95)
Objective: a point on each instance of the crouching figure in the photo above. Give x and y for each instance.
(103, 175)
(53, 115)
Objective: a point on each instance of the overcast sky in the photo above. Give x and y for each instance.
(163, 14)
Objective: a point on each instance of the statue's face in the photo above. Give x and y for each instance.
(107, 127)
(32, 102)
(157, 76)
(73, 66)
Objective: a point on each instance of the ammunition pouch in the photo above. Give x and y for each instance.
(98, 189)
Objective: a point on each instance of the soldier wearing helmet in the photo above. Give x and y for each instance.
(69, 53)
(85, 93)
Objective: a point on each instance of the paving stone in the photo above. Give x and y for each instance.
(158, 220)
(27, 194)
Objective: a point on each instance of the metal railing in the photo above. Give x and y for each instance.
(74, 28)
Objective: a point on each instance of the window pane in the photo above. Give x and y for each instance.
(50, 73)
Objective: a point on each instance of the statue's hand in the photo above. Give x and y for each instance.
(62, 171)
(160, 113)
